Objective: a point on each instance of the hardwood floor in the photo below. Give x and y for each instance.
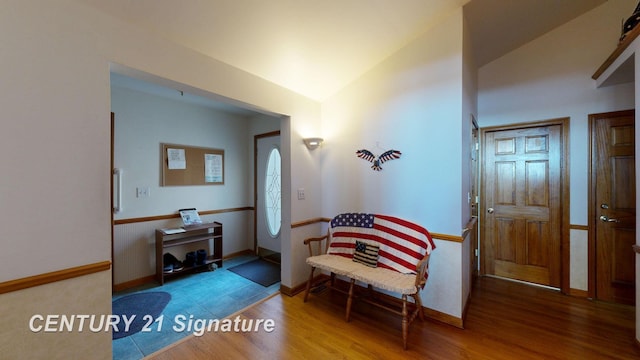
(505, 320)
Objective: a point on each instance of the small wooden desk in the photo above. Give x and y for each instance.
(192, 234)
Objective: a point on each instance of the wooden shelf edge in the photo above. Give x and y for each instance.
(178, 242)
(632, 35)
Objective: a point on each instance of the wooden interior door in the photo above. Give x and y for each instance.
(613, 206)
(522, 226)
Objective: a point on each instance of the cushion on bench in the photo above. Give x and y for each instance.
(402, 243)
(338, 265)
(380, 278)
(386, 279)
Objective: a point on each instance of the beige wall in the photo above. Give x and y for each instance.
(86, 295)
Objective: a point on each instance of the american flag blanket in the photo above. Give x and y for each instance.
(402, 243)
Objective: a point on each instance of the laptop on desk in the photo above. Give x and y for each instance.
(190, 217)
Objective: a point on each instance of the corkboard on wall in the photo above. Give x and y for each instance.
(184, 165)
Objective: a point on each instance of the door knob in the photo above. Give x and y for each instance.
(607, 219)
(490, 210)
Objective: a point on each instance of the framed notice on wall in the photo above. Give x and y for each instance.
(184, 165)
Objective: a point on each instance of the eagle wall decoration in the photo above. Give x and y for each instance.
(385, 156)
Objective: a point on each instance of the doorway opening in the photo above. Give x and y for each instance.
(159, 113)
(267, 196)
(148, 111)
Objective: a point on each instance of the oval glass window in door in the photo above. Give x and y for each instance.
(273, 193)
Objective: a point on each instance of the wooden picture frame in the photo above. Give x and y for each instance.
(185, 165)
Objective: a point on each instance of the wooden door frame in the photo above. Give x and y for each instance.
(591, 213)
(113, 141)
(564, 192)
(475, 201)
(255, 184)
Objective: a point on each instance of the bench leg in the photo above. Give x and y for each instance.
(350, 300)
(405, 321)
(418, 302)
(306, 293)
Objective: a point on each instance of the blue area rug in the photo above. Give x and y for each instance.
(144, 306)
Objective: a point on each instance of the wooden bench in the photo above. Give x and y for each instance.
(383, 252)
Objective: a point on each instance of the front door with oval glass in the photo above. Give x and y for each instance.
(269, 194)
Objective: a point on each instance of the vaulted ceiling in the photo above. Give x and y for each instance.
(315, 48)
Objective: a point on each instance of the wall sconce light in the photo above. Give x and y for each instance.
(313, 143)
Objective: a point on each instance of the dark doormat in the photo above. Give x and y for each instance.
(139, 305)
(273, 257)
(259, 271)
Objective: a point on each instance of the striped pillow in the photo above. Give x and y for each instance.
(366, 254)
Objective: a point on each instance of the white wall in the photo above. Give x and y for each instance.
(55, 191)
(143, 122)
(550, 77)
(411, 102)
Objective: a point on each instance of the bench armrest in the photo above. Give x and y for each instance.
(318, 241)
(422, 272)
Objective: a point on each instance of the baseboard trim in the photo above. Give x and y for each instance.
(444, 318)
(579, 293)
(295, 290)
(239, 253)
(133, 283)
(465, 310)
(50, 277)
